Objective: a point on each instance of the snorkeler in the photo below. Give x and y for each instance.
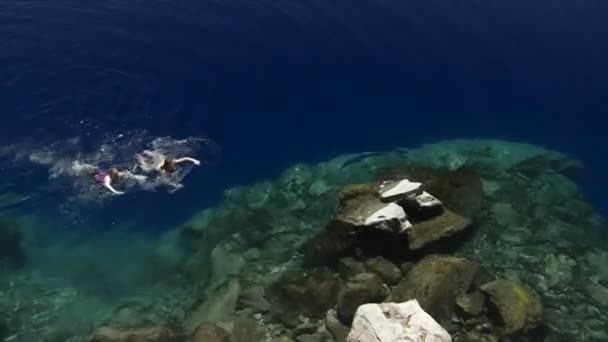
(155, 161)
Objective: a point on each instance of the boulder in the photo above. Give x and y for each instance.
(430, 231)
(362, 218)
(210, 332)
(360, 289)
(149, 334)
(460, 190)
(435, 282)
(512, 306)
(391, 322)
(217, 307)
(338, 330)
(311, 294)
(364, 208)
(254, 298)
(385, 269)
(247, 329)
(349, 267)
(470, 304)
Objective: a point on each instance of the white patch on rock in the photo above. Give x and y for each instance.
(393, 322)
(427, 200)
(402, 188)
(389, 212)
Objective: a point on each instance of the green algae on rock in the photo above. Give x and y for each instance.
(515, 308)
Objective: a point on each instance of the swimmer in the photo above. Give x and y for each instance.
(107, 178)
(155, 161)
(113, 176)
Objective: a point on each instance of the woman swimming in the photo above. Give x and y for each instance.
(155, 161)
(107, 178)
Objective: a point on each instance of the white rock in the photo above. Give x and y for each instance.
(395, 322)
(388, 213)
(402, 188)
(427, 200)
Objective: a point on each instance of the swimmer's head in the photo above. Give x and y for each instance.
(114, 173)
(168, 165)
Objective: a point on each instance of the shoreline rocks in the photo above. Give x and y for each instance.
(389, 322)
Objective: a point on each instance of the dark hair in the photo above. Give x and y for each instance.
(168, 165)
(114, 174)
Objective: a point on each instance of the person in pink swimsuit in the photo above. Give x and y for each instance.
(108, 178)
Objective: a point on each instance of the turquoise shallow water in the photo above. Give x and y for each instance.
(282, 259)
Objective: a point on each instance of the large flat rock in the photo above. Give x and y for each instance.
(437, 228)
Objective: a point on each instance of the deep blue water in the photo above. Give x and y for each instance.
(276, 82)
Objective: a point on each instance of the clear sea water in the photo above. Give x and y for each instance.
(273, 83)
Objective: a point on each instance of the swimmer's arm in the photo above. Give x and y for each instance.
(107, 183)
(188, 159)
(128, 174)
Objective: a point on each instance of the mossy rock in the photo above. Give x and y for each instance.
(436, 229)
(512, 306)
(311, 294)
(436, 281)
(358, 290)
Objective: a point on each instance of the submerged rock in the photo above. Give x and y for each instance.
(151, 334)
(338, 330)
(435, 282)
(361, 206)
(387, 271)
(349, 267)
(247, 329)
(470, 304)
(310, 295)
(512, 306)
(425, 233)
(210, 332)
(395, 228)
(254, 298)
(390, 322)
(217, 307)
(360, 289)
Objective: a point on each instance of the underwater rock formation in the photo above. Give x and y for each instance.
(413, 220)
(309, 295)
(508, 211)
(358, 290)
(436, 281)
(210, 332)
(515, 308)
(389, 322)
(427, 232)
(152, 334)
